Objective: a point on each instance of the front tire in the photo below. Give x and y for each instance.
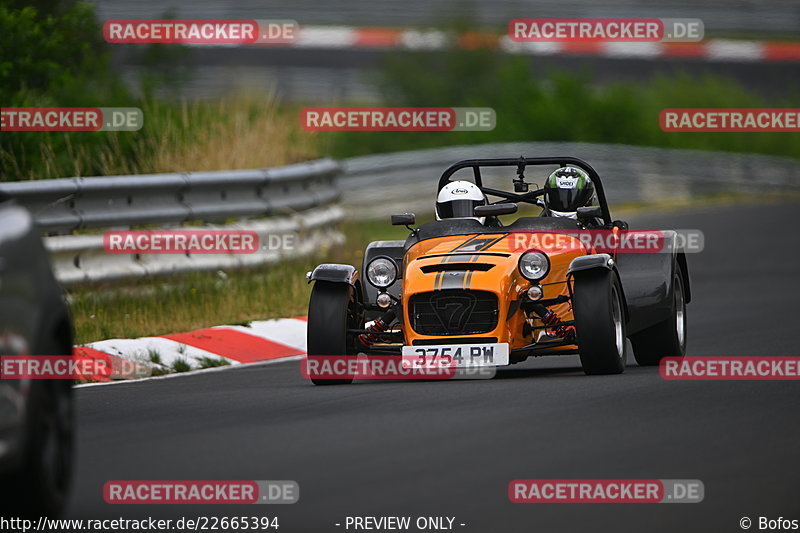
(600, 322)
(667, 338)
(332, 311)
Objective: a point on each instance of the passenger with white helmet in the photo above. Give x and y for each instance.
(458, 199)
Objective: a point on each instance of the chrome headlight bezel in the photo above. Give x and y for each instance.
(384, 262)
(527, 258)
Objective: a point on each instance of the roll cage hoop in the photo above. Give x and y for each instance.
(521, 163)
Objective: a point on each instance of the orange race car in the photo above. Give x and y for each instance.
(467, 290)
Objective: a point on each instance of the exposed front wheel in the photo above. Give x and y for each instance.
(667, 338)
(332, 311)
(600, 322)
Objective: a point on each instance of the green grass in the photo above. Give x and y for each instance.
(154, 356)
(196, 300)
(212, 362)
(187, 302)
(181, 365)
(176, 137)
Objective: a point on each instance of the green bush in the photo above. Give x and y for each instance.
(54, 56)
(558, 106)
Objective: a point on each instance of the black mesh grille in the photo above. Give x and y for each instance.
(453, 312)
(458, 340)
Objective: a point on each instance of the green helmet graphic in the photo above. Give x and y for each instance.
(568, 189)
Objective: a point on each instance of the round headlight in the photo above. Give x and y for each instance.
(534, 265)
(381, 272)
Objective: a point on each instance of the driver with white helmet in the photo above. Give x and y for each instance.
(458, 199)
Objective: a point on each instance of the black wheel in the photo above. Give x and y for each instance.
(41, 485)
(600, 322)
(332, 311)
(667, 338)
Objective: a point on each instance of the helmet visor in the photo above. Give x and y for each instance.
(458, 208)
(568, 199)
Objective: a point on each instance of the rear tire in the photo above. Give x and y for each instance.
(667, 338)
(332, 311)
(600, 322)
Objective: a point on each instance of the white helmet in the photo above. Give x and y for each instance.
(458, 199)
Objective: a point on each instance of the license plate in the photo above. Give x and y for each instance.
(455, 355)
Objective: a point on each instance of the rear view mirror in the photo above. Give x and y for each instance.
(585, 213)
(495, 210)
(406, 219)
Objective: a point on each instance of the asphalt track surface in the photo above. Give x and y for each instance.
(451, 448)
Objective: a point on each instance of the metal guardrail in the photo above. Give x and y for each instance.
(297, 200)
(304, 199)
(68, 204)
(376, 185)
(82, 258)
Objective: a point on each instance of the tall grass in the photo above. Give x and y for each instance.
(245, 130)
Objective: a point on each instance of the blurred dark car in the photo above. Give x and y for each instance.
(36, 416)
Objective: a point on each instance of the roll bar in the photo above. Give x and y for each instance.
(521, 163)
